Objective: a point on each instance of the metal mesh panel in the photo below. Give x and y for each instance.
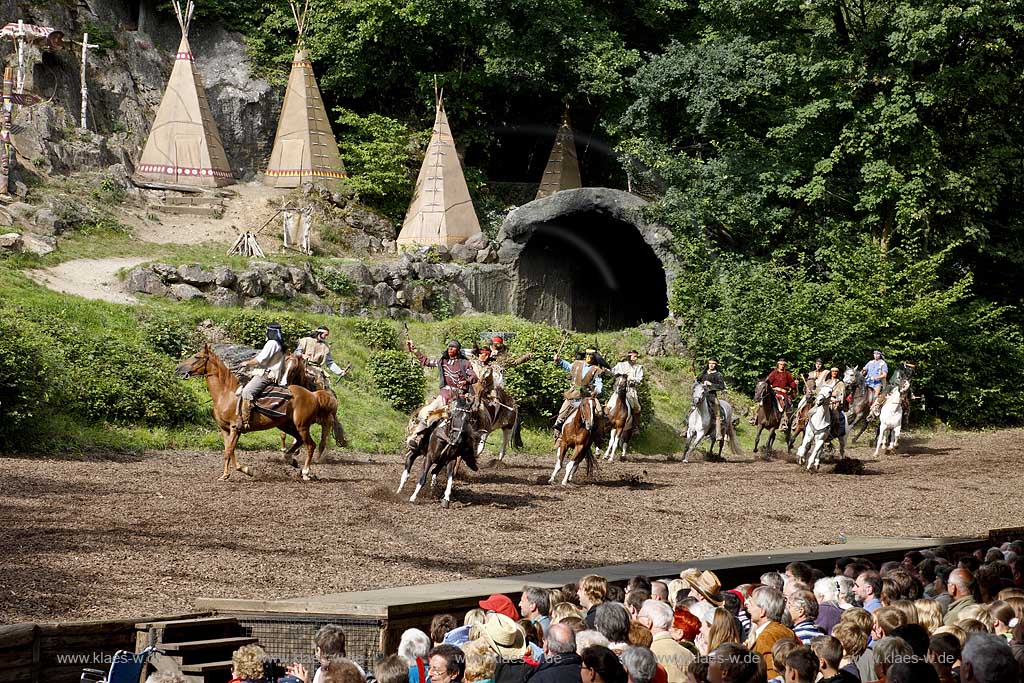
(289, 638)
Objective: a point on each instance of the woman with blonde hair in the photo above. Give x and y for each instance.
(480, 662)
(722, 629)
(960, 634)
(564, 610)
(592, 591)
(978, 613)
(908, 609)
(674, 586)
(247, 663)
(1017, 604)
(929, 614)
(1003, 619)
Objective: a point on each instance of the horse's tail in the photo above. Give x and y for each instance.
(730, 430)
(588, 457)
(517, 432)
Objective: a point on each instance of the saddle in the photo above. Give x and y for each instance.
(273, 401)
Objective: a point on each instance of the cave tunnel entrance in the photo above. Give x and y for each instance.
(589, 271)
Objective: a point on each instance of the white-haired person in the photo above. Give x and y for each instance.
(826, 592)
(414, 647)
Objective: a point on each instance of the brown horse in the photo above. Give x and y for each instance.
(621, 420)
(768, 417)
(500, 408)
(296, 371)
(305, 409)
(452, 441)
(578, 435)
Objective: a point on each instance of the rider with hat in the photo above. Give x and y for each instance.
(456, 376)
(317, 353)
(713, 382)
(585, 381)
(634, 374)
(269, 364)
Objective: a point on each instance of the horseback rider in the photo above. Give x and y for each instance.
(784, 385)
(875, 373)
(835, 388)
(317, 353)
(499, 352)
(269, 364)
(713, 382)
(585, 381)
(905, 372)
(815, 376)
(456, 376)
(634, 374)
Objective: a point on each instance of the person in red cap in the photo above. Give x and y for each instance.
(500, 604)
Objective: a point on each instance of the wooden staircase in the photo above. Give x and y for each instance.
(200, 646)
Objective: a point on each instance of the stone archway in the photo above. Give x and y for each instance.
(586, 259)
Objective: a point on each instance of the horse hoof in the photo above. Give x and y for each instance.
(244, 469)
(223, 477)
(445, 504)
(295, 463)
(307, 475)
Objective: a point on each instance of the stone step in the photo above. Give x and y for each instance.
(208, 672)
(193, 200)
(205, 211)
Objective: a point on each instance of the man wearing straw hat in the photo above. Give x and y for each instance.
(508, 642)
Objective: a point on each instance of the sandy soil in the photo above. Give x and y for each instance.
(90, 278)
(140, 535)
(246, 208)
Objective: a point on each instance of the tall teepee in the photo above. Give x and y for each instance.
(305, 148)
(441, 210)
(563, 170)
(184, 146)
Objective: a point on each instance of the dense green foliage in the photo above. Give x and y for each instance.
(376, 334)
(22, 382)
(398, 379)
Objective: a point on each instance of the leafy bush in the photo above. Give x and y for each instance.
(439, 305)
(23, 382)
(376, 334)
(166, 333)
(336, 281)
(399, 380)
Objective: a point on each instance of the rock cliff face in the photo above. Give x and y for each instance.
(126, 78)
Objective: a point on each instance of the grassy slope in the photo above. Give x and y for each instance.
(373, 426)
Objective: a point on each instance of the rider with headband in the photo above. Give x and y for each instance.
(713, 382)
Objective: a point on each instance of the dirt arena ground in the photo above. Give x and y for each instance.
(133, 536)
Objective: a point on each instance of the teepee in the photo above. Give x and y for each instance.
(563, 170)
(184, 147)
(304, 148)
(441, 210)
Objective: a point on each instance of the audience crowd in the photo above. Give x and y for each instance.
(932, 618)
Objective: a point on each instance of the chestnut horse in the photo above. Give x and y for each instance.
(621, 420)
(305, 409)
(296, 371)
(578, 435)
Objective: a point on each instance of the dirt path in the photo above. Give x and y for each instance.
(90, 278)
(148, 534)
(248, 208)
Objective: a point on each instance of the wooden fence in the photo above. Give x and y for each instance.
(57, 653)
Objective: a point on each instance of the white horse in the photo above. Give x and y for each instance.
(700, 425)
(890, 420)
(816, 432)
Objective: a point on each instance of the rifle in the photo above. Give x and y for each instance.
(343, 374)
(565, 336)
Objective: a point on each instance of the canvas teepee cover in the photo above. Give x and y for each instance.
(563, 170)
(184, 146)
(441, 210)
(304, 148)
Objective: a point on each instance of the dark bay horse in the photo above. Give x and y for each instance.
(453, 440)
(859, 409)
(768, 417)
(305, 409)
(578, 435)
(621, 421)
